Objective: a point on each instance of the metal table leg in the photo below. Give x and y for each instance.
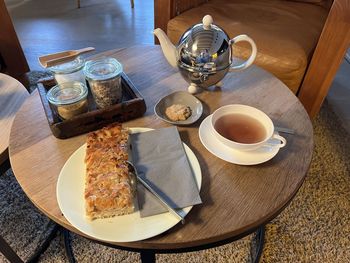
(12, 256)
(148, 256)
(41, 249)
(5, 166)
(8, 252)
(67, 245)
(260, 237)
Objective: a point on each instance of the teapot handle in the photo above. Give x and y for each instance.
(251, 59)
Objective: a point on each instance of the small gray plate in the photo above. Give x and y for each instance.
(179, 97)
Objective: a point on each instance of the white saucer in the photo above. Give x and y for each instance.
(213, 145)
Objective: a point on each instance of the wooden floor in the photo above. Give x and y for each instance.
(46, 26)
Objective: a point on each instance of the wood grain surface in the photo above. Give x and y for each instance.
(12, 95)
(236, 199)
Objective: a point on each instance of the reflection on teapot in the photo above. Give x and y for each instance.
(203, 54)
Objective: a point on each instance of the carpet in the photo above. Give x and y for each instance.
(315, 227)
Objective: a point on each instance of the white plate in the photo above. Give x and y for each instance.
(127, 228)
(213, 145)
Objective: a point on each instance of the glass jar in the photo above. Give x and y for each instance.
(70, 71)
(68, 99)
(104, 78)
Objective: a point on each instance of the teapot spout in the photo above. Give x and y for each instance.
(169, 50)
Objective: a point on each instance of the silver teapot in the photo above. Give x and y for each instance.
(203, 54)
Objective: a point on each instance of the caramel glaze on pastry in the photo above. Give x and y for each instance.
(108, 189)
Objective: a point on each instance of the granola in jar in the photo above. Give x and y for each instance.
(104, 78)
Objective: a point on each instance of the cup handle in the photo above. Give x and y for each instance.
(251, 59)
(281, 139)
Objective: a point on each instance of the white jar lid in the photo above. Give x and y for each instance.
(69, 67)
(67, 93)
(103, 69)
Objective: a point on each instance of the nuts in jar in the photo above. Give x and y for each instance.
(103, 76)
(68, 99)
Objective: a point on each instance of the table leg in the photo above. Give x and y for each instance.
(41, 249)
(67, 246)
(4, 166)
(8, 252)
(148, 256)
(260, 236)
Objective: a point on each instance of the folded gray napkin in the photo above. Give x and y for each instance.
(160, 159)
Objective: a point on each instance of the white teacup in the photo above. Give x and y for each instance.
(245, 128)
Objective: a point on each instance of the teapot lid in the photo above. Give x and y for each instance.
(204, 47)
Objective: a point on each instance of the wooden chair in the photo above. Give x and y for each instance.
(12, 59)
(324, 61)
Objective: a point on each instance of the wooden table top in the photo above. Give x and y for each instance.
(236, 199)
(12, 95)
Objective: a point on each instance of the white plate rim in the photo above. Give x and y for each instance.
(163, 221)
(205, 128)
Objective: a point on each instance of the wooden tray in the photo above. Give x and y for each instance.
(131, 107)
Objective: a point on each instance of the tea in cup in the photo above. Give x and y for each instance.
(245, 128)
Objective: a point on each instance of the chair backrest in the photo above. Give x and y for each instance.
(165, 10)
(180, 6)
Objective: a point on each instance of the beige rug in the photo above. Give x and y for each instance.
(315, 227)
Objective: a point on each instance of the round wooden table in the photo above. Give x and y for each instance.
(236, 199)
(12, 95)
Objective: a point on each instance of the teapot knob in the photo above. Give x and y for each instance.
(207, 21)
